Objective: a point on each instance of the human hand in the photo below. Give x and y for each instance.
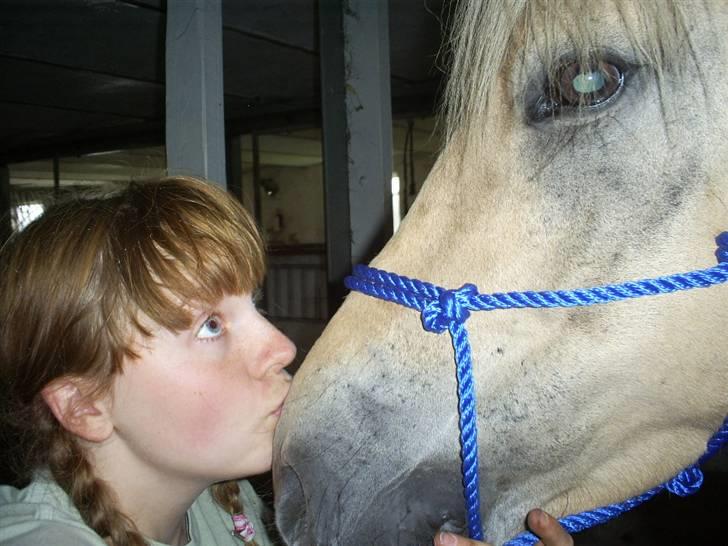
(541, 524)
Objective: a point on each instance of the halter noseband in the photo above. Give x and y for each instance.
(449, 310)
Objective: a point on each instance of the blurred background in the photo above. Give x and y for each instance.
(82, 103)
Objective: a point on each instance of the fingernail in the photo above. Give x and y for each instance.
(540, 517)
(447, 539)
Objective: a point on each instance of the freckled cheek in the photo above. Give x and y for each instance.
(192, 416)
(204, 417)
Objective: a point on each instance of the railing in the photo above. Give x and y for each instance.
(295, 286)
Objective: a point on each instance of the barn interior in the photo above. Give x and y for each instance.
(83, 104)
(88, 97)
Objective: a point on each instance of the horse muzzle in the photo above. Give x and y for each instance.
(356, 479)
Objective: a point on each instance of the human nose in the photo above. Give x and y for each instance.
(279, 351)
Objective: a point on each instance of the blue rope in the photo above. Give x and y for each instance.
(443, 310)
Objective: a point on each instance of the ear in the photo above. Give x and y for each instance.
(70, 400)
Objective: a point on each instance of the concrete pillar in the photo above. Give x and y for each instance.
(357, 134)
(195, 129)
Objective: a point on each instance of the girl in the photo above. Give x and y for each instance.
(139, 383)
(139, 380)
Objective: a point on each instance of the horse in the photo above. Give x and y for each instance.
(585, 144)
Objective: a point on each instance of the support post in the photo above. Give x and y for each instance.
(56, 177)
(195, 134)
(357, 134)
(235, 168)
(257, 205)
(6, 227)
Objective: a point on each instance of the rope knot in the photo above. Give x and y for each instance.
(686, 482)
(452, 306)
(722, 252)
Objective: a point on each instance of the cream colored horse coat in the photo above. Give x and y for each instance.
(586, 144)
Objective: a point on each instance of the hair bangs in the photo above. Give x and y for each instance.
(184, 246)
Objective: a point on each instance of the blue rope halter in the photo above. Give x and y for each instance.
(449, 310)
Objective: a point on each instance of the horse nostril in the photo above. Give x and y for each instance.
(291, 507)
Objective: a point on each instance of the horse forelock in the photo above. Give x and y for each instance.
(490, 35)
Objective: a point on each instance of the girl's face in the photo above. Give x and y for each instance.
(203, 403)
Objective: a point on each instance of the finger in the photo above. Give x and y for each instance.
(449, 539)
(548, 529)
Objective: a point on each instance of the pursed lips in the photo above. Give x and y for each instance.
(277, 412)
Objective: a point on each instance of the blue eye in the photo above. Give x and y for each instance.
(211, 328)
(580, 88)
(589, 86)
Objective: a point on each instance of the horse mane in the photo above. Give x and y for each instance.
(486, 34)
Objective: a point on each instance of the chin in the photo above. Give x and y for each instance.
(259, 465)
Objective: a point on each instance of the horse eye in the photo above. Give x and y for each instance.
(579, 87)
(588, 86)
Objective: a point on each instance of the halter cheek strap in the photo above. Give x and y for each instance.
(443, 310)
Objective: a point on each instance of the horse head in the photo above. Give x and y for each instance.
(586, 144)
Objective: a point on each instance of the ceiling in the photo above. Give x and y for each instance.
(86, 76)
